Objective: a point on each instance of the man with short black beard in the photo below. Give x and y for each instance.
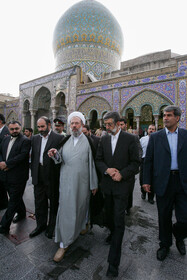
(118, 161)
(45, 177)
(14, 172)
(78, 179)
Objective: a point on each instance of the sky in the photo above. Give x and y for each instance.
(26, 33)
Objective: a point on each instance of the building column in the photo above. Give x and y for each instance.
(88, 122)
(100, 122)
(23, 118)
(156, 117)
(137, 123)
(54, 112)
(33, 113)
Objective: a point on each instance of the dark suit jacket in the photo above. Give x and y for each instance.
(157, 162)
(53, 142)
(125, 159)
(18, 160)
(3, 133)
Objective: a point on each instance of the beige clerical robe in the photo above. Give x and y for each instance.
(77, 177)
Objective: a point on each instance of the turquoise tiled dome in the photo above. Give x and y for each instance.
(87, 34)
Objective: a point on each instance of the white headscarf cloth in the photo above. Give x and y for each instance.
(76, 114)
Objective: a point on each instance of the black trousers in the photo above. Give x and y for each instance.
(115, 206)
(151, 194)
(3, 196)
(174, 198)
(43, 195)
(15, 203)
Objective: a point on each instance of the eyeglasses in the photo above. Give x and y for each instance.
(108, 124)
(16, 128)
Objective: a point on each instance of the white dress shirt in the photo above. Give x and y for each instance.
(43, 145)
(76, 139)
(10, 144)
(144, 142)
(114, 139)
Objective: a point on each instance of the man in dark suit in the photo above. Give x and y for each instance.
(95, 139)
(45, 177)
(118, 161)
(14, 165)
(3, 193)
(165, 170)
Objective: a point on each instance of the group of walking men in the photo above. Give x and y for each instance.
(66, 169)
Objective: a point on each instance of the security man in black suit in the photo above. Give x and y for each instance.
(3, 193)
(45, 177)
(14, 166)
(165, 170)
(118, 161)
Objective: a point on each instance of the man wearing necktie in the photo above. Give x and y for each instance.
(14, 171)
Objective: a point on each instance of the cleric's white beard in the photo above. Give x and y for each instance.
(76, 133)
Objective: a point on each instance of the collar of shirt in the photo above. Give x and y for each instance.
(1, 128)
(47, 136)
(114, 139)
(76, 139)
(168, 132)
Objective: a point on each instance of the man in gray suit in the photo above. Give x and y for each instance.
(45, 176)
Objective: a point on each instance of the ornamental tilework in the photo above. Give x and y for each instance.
(88, 34)
(106, 95)
(168, 89)
(146, 98)
(182, 102)
(94, 103)
(116, 100)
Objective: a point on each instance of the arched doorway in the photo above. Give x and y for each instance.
(160, 120)
(94, 123)
(12, 117)
(130, 118)
(41, 103)
(61, 105)
(146, 117)
(27, 118)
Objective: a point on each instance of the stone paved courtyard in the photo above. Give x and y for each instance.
(27, 259)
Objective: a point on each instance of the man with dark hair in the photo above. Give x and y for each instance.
(123, 124)
(3, 193)
(28, 131)
(59, 125)
(87, 131)
(14, 165)
(118, 161)
(144, 142)
(165, 170)
(44, 177)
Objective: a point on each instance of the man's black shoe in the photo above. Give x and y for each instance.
(112, 271)
(49, 234)
(181, 247)
(127, 212)
(151, 201)
(162, 253)
(37, 231)
(4, 206)
(18, 218)
(3, 230)
(108, 239)
(143, 196)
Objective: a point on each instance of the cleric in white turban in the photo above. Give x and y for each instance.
(76, 114)
(78, 179)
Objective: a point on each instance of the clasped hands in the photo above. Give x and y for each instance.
(3, 166)
(114, 174)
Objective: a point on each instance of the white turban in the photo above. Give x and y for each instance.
(76, 114)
